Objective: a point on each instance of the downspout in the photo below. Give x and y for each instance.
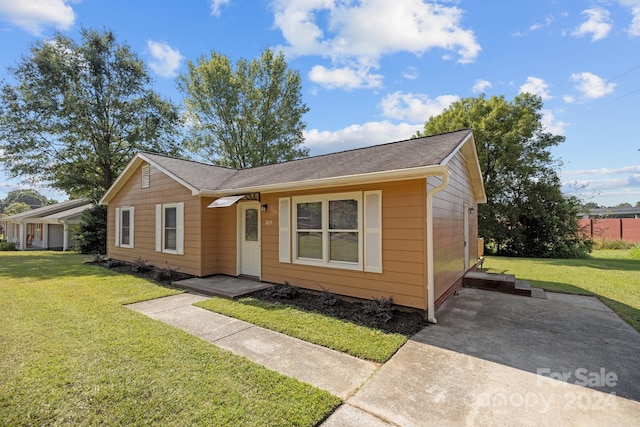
(431, 304)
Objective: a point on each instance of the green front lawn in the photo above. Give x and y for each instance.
(71, 354)
(611, 275)
(356, 340)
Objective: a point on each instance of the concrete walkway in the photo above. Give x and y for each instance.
(335, 372)
(491, 360)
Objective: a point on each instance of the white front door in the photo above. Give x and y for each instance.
(249, 250)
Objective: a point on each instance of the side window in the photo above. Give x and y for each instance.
(170, 228)
(124, 227)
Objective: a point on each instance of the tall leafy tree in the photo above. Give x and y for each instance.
(78, 112)
(526, 213)
(31, 198)
(16, 208)
(244, 116)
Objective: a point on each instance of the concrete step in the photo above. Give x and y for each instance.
(523, 288)
(505, 283)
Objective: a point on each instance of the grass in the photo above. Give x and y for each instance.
(71, 354)
(356, 340)
(611, 275)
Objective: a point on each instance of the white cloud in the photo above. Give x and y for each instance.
(356, 136)
(568, 99)
(216, 5)
(598, 24)
(358, 34)
(414, 107)
(556, 127)
(411, 73)
(35, 15)
(538, 25)
(604, 171)
(536, 86)
(344, 78)
(480, 85)
(591, 85)
(634, 8)
(166, 60)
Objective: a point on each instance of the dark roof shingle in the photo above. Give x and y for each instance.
(407, 154)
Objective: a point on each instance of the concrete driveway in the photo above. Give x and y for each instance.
(497, 359)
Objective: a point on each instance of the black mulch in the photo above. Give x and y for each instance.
(402, 322)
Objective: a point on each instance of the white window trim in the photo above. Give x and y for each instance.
(325, 261)
(119, 213)
(160, 228)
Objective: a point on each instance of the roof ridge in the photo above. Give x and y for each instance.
(185, 160)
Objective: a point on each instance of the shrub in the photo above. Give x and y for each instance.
(613, 244)
(285, 291)
(7, 246)
(91, 233)
(113, 263)
(635, 251)
(165, 274)
(327, 297)
(380, 308)
(141, 266)
(98, 258)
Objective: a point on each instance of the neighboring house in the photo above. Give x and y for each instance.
(610, 213)
(46, 227)
(396, 219)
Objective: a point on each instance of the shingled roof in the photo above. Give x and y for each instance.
(367, 164)
(49, 210)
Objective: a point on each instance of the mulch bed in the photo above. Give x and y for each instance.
(401, 322)
(365, 313)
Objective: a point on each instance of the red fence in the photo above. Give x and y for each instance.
(627, 229)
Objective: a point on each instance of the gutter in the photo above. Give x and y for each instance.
(431, 304)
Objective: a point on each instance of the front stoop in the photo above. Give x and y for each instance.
(505, 283)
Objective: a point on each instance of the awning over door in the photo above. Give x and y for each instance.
(224, 202)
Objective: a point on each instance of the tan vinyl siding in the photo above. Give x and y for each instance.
(161, 190)
(228, 240)
(219, 239)
(448, 226)
(403, 248)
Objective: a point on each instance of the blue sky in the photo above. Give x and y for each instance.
(375, 70)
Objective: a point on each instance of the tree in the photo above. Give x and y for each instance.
(526, 213)
(31, 198)
(244, 117)
(637, 204)
(16, 208)
(624, 205)
(78, 113)
(590, 205)
(91, 233)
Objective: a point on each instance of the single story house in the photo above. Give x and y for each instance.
(46, 227)
(395, 219)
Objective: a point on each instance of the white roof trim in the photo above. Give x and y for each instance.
(128, 172)
(224, 202)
